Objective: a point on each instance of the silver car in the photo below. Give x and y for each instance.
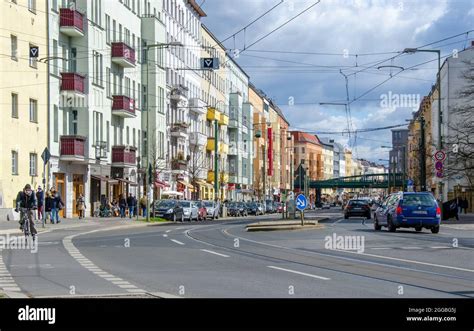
(190, 210)
(212, 209)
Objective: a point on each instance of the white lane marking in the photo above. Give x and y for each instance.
(212, 252)
(120, 282)
(7, 282)
(176, 241)
(127, 286)
(136, 290)
(380, 247)
(411, 247)
(299, 273)
(440, 247)
(342, 219)
(165, 235)
(168, 231)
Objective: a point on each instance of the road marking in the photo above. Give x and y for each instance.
(136, 290)
(299, 273)
(411, 247)
(380, 248)
(128, 286)
(212, 252)
(7, 282)
(165, 235)
(168, 231)
(176, 241)
(342, 219)
(440, 247)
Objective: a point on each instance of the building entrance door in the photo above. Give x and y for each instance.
(77, 189)
(60, 185)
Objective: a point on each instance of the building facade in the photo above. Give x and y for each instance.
(24, 119)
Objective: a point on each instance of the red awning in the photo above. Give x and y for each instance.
(160, 184)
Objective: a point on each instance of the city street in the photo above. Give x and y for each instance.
(220, 259)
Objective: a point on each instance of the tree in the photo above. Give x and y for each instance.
(196, 166)
(460, 141)
(158, 166)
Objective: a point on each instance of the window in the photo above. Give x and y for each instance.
(33, 60)
(161, 100)
(133, 137)
(114, 29)
(33, 164)
(14, 163)
(14, 47)
(55, 57)
(98, 71)
(32, 6)
(107, 29)
(56, 124)
(108, 134)
(14, 105)
(33, 111)
(107, 81)
(128, 135)
(74, 122)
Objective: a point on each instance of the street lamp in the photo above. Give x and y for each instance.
(440, 115)
(148, 133)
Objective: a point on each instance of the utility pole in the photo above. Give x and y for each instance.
(422, 155)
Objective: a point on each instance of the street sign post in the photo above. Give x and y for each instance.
(301, 204)
(46, 155)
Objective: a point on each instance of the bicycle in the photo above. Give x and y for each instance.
(25, 212)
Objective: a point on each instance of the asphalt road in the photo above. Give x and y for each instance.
(219, 259)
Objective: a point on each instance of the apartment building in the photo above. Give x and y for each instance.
(183, 79)
(23, 114)
(99, 97)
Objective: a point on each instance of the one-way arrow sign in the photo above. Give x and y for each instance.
(210, 63)
(34, 51)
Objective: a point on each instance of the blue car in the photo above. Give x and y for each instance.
(408, 210)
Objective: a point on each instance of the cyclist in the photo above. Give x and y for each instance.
(27, 199)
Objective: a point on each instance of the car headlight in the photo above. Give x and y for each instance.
(169, 211)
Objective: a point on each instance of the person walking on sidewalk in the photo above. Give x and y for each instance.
(122, 205)
(48, 206)
(143, 205)
(131, 202)
(465, 205)
(39, 199)
(58, 205)
(81, 206)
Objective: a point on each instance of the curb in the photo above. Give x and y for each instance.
(285, 227)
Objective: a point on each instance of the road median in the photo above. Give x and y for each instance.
(286, 225)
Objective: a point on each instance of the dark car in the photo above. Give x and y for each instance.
(233, 209)
(242, 208)
(202, 211)
(269, 207)
(254, 208)
(168, 209)
(408, 210)
(357, 208)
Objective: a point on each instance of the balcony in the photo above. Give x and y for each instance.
(71, 22)
(72, 149)
(179, 130)
(123, 106)
(72, 84)
(224, 119)
(198, 106)
(210, 176)
(213, 114)
(211, 144)
(123, 55)
(124, 156)
(223, 148)
(179, 164)
(179, 93)
(233, 149)
(198, 139)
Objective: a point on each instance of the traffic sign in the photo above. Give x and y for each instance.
(46, 155)
(439, 174)
(439, 165)
(440, 156)
(301, 202)
(211, 63)
(34, 51)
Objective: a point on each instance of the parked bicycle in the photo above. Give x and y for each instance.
(102, 212)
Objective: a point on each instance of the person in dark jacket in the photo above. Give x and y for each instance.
(48, 206)
(39, 199)
(58, 204)
(465, 205)
(131, 202)
(26, 199)
(122, 206)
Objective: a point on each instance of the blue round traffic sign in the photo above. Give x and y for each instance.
(301, 202)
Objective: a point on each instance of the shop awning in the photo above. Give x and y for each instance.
(185, 183)
(105, 179)
(161, 184)
(126, 181)
(172, 193)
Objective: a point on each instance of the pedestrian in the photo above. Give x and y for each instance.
(143, 204)
(130, 203)
(48, 206)
(122, 205)
(81, 206)
(465, 205)
(58, 205)
(39, 199)
(459, 203)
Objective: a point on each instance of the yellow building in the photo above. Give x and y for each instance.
(23, 91)
(213, 87)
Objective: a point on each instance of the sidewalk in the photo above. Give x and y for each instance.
(463, 219)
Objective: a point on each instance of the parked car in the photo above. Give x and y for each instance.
(190, 210)
(269, 207)
(212, 209)
(408, 210)
(356, 207)
(233, 209)
(242, 208)
(168, 209)
(255, 208)
(202, 211)
(326, 205)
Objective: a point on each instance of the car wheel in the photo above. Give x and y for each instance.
(377, 226)
(435, 229)
(391, 227)
(418, 228)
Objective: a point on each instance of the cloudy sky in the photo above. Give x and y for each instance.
(303, 64)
